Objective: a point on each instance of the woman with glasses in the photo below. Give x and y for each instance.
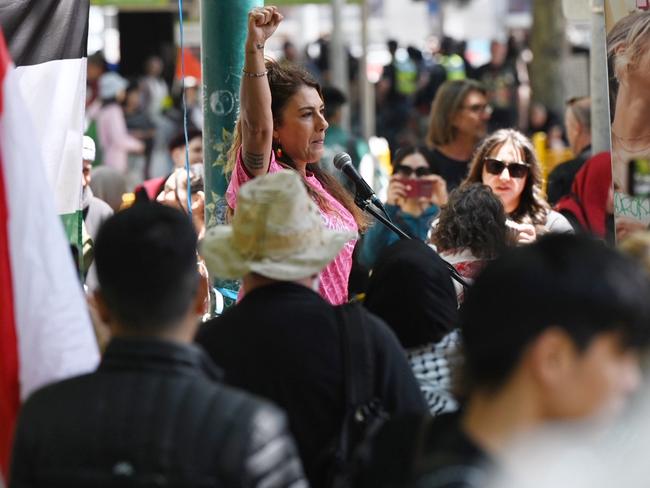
(506, 162)
(415, 195)
(459, 120)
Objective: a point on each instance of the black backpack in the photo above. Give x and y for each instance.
(364, 412)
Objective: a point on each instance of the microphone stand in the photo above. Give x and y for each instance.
(367, 207)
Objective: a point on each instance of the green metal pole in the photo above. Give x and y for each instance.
(223, 34)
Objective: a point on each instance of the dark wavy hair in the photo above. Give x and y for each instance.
(473, 219)
(406, 150)
(285, 80)
(532, 208)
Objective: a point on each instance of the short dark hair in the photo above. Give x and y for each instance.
(405, 150)
(474, 218)
(572, 282)
(146, 266)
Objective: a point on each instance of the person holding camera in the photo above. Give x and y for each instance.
(415, 195)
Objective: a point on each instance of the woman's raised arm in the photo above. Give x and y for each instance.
(255, 95)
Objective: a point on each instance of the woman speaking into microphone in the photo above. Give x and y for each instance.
(282, 125)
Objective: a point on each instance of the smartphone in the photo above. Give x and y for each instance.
(419, 188)
(639, 177)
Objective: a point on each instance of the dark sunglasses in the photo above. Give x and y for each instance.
(408, 171)
(515, 170)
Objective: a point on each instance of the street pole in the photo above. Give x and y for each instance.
(338, 58)
(223, 34)
(600, 139)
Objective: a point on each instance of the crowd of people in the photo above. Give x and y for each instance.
(503, 312)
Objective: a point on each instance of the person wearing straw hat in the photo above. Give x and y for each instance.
(282, 341)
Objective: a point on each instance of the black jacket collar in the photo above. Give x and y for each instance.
(140, 353)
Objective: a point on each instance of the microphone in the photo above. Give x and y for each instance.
(343, 162)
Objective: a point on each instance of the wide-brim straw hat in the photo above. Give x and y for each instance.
(277, 232)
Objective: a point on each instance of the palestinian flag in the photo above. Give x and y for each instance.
(47, 41)
(45, 330)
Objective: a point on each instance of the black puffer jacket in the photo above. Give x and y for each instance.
(152, 415)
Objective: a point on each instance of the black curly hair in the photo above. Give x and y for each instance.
(474, 218)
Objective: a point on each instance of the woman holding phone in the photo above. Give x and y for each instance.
(415, 195)
(506, 162)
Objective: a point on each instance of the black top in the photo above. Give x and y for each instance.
(425, 452)
(453, 171)
(152, 414)
(281, 342)
(410, 288)
(560, 180)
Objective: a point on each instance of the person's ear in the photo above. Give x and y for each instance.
(551, 357)
(102, 308)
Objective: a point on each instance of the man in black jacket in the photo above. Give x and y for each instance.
(282, 340)
(154, 412)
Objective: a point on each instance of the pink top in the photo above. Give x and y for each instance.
(115, 140)
(334, 278)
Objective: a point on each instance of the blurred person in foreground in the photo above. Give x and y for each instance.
(283, 341)
(471, 231)
(415, 195)
(506, 162)
(542, 345)
(154, 413)
(577, 121)
(458, 121)
(410, 288)
(282, 125)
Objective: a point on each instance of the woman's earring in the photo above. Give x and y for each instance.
(279, 152)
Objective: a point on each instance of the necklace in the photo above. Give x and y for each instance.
(628, 149)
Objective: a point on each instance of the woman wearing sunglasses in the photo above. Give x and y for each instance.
(506, 162)
(415, 195)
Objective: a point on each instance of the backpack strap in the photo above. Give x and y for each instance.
(358, 360)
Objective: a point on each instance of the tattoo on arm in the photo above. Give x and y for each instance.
(253, 161)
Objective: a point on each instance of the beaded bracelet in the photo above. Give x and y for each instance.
(254, 75)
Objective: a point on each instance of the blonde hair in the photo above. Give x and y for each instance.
(627, 41)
